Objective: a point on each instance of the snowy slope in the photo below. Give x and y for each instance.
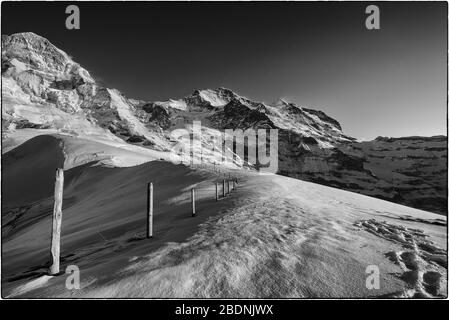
(273, 237)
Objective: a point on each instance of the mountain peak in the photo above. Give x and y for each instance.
(280, 102)
(211, 97)
(28, 35)
(34, 52)
(30, 41)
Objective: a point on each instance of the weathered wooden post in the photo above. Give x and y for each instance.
(193, 202)
(150, 210)
(57, 217)
(224, 189)
(233, 184)
(216, 191)
(229, 191)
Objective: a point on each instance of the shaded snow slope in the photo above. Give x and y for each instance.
(273, 237)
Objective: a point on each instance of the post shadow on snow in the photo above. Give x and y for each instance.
(31, 213)
(30, 274)
(207, 208)
(172, 222)
(185, 225)
(36, 211)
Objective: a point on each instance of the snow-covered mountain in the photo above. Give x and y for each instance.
(43, 89)
(273, 236)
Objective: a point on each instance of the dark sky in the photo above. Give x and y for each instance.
(390, 82)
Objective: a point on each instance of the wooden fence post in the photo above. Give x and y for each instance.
(224, 189)
(193, 202)
(216, 191)
(229, 191)
(150, 210)
(57, 217)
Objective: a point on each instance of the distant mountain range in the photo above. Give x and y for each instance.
(43, 89)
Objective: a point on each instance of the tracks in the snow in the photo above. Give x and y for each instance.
(424, 264)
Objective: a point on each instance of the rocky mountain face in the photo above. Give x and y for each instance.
(410, 170)
(43, 89)
(414, 169)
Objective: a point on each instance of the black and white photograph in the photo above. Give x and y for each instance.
(224, 150)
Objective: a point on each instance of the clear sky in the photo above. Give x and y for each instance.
(389, 82)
